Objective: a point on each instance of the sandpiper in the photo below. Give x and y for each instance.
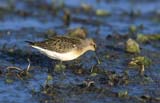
(64, 48)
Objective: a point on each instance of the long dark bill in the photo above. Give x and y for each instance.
(97, 58)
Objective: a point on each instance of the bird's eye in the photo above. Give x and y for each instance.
(94, 45)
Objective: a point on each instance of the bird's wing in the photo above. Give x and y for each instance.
(59, 44)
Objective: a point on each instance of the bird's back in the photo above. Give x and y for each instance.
(58, 44)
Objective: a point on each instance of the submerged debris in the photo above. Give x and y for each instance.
(102, 78)
(113, 78)
(67, 18)
(141, 62)
(88, 83)
(132, 46)
(20, 73)
(146, 38)
(1, 71)
(149, 99)
(123, 93)
(78, 32)
(86, 7)
(132, 28)
(49, 80)
(49, 90)
(50, 33)
(100, 12)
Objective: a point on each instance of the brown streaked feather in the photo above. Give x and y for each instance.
(59, 44)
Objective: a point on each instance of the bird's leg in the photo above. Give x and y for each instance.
(51, 69)
(62, 67)
(76, 62)
(61, 64)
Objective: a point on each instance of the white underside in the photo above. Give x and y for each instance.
(54, 55)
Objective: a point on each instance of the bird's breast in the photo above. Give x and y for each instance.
(73, 54)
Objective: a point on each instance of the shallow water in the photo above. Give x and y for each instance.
(22, 20)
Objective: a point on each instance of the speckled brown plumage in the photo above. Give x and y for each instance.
(59, 44)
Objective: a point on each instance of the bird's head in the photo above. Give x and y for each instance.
(90, 44)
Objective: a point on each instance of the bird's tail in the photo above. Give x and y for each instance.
(30, 43)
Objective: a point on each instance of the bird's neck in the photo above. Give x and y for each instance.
(85, 49)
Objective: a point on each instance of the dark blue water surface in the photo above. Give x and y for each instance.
(22, 20)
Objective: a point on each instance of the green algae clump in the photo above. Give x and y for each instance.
(100, 12)
(146, 38)
(132, 46)
(141, 62)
